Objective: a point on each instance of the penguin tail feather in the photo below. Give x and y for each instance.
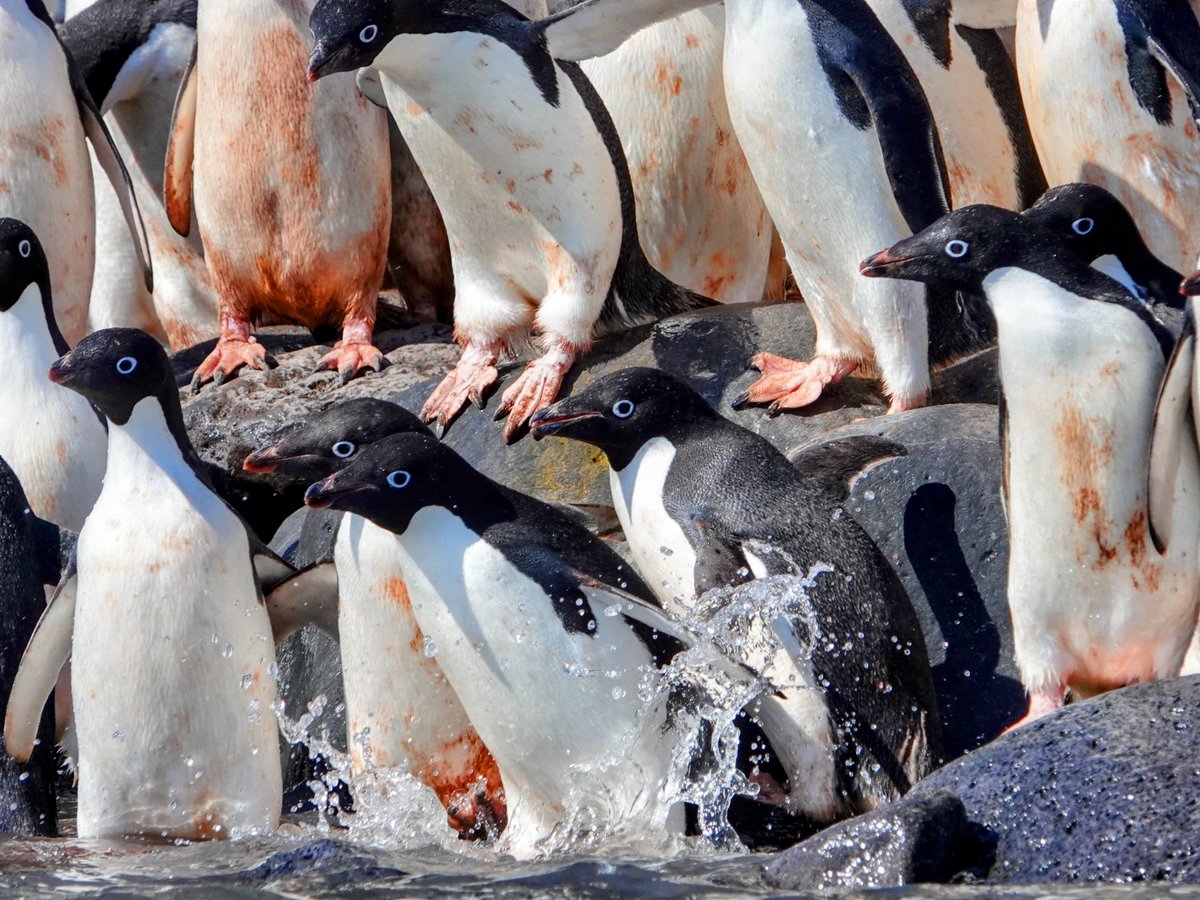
(640, 294)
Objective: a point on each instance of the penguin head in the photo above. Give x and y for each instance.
(333, 439)
(22, 263)
(349, 34)
(962, 248)
(1091, 221)
(115, 369)
(622, 411)
(394, 478)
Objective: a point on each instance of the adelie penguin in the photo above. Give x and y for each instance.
(44, 103)
(825, 81)
(528, 172)
(53, 439)
(706, 504)
(1101, 482)
(400, 709)
(169, 641)
(1098, 227)
(544, 633)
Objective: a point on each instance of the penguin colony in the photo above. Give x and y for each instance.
(594, 166)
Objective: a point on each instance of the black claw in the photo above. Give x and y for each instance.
(345, 376)
(196, 384)
(740, 400)
(218, 377)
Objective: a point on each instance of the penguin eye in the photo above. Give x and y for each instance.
(343, 449)
(25, 248)
(1083, 226)
(126, 365)
(368, 34)
(623, 409)
(399, 479)
(957, 249)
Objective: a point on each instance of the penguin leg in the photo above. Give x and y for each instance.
(355, 351)
(1041, 703)
(235, 348)
(537, 386)
(791, 384)
(474, 373)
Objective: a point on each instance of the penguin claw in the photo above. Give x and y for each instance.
(467, 383)
(535, 388)
(230, 355)
(792, 384)
(350, 358)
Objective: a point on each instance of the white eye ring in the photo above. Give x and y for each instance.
(25, 248)
(957, 249)
(399, 479)
(623, 409)
(126, 365)
(343, 449)
(1083, 226)
(368, 34)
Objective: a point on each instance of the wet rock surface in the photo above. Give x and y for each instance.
(1105, 790)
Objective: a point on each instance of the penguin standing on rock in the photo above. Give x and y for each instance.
(172, 658)
(52, 438)
(291, 186)
(1101, 485)
(45, 114)
(530, 177)
(820, 95)
(400, 709)
(706, 504)
(1098, 227)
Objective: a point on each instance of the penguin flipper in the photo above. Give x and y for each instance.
(596, 27)
(311, 595)
(47, 652)
(1169, 35)
(371, 87)
(1173, 433)
(831, 465)
(177, 177)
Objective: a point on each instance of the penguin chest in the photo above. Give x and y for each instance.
(558, 709)
(45, 174)
(292, 186)
(1151, 166)
(663, 553)
(400, 709)
(527, 187)
(49, 435)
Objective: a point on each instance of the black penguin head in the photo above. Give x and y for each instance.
(393, 479)
(333, 439)
(349, 34)
(963, 247)
(622, 411)
(23, 265)
(1092, 221)
(116, 369)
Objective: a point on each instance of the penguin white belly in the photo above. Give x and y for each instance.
(1094, 604)
(700, 216)
(173, 660)
(980, 160)
(1153, 169)
(50, 436)
(183, 308)
(291, 187)
(560, 711)
(527, 190)
(400, 709)
(825, 186)
(45, 175)
(662, 552)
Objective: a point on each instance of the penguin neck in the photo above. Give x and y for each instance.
(29, 332)
(1152, 279)
(154, 435)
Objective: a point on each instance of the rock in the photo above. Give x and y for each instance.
(1101, 791)
(330, 862)
(925, 840)
(937, 515)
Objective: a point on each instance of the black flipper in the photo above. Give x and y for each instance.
(831, 466)
(1161, 35)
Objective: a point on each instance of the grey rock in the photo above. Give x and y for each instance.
(924, 840)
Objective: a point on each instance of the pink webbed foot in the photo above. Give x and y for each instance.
(1041, 703)
(353, 354)
(904, 404)
(475, 372)
(235, 348)
(791, 384)
(537, 386)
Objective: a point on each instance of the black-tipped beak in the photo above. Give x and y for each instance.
(264, 461)
(61, 371)
(557, 419)
(322, 61)
(882, 264)
(1191, 285)
(327, 494)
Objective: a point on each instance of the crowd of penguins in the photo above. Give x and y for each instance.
(575, 171)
